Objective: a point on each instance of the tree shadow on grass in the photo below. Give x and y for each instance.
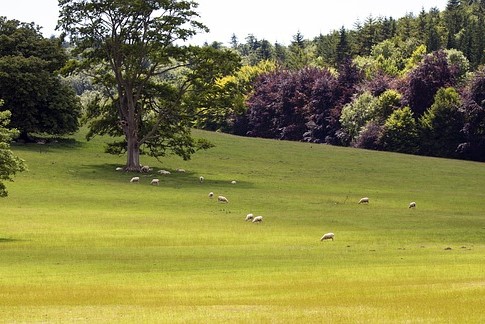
(8, 240)
(48, 145)
(176, 180)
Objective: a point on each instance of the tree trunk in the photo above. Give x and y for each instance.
(133, 154)
(130, 129)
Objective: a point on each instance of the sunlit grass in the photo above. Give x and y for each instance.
(78, 242)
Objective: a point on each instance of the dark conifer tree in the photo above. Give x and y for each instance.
(343, 47)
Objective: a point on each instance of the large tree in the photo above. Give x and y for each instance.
(399, 133)
(294, 105)
(40, 102)
(134, 49)
(441, 125)
(426, 79)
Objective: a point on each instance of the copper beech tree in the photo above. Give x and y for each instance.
(134, 50)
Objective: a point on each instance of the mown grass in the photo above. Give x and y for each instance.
(79, 243)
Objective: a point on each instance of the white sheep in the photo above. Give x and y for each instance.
(258, 219)
(119, 169)
(145, 168)
(135, 179)
(222, 199)
(164, 172)
(249, 217)
(155, 182)
(412, 204)
(201, 179)
(364, 200)
(181, 170)
(327, 236)
(233, 182)
(211, 194)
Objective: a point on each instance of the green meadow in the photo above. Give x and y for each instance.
(80, 243)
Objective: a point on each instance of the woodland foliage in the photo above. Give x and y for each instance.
(415, 84)
(411, 85)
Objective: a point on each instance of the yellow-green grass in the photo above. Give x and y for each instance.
(80, 243)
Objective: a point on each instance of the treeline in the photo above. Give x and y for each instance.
(413, 85)
(460, 26)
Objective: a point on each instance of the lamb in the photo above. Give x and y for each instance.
(364, 200)
(222, 199)
(412, 204)
(201, 179)
(135, 179)
(211, 194)
(327, 236)
(249, 217)
(258, 219)
(155, 182)
(164, 172)
(233, 182)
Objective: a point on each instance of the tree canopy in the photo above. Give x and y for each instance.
(132, 49)
(40, 102)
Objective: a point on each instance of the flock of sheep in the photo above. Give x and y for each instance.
(249, 217)
(223, 199)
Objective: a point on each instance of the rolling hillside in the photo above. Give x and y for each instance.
(80, 243)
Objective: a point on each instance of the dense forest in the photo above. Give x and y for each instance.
(415, 85)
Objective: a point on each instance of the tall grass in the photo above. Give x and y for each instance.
(79, 243)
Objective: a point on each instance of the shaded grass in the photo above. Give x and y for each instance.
(78, 242)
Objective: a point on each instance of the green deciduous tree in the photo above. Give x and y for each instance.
(441, 125)
(367, 108)
(228, 105)
(459, 62)
(133, 49)
(40, 102)
(9, 163)
(387, 102)
(357, 114)
(400, 132)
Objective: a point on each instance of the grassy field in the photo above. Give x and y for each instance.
(79, 243)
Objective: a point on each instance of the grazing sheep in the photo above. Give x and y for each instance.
(135, 179)
(201, 179)
(412, 204)
(249, 217)
(211, 194)
(222, 199)
(328, 236)
(119, 169)
(233, 181)
(164, 172)
(364, 200)
(181, 170)
(145, 168)
(258, 219)
(155, 182)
